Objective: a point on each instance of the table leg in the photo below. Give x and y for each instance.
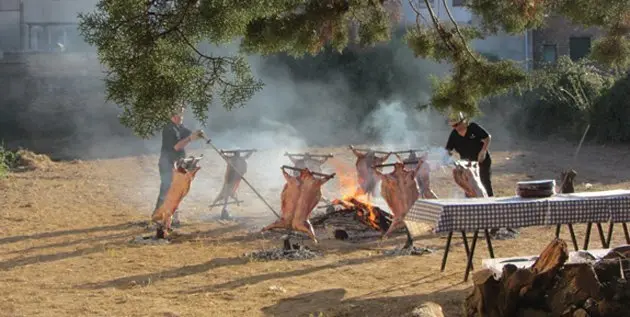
(465, 243)
(625, 232)
(489, 243)
(469, 265)
(558, 231)
(587, 237)
(573, 239)
(448, 246)
(611, 226)
(600, 230)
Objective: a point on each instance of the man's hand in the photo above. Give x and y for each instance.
(481, 157)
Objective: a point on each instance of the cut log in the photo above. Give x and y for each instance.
(551, 287)
(576, 284)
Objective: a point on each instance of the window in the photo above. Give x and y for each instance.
(579, 47)
(458, 3)
(550, 53)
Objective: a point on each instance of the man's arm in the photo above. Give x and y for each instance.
(182, 143)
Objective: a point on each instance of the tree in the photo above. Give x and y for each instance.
(155, 58)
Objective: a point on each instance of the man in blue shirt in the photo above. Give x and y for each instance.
(175, 137)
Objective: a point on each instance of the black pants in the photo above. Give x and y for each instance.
(485, 174)
(166, 177)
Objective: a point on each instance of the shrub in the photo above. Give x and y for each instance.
(8, 160)
(559, 99)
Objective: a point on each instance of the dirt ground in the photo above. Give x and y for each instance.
(65, 243)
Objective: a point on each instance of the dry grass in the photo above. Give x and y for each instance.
(65, 251)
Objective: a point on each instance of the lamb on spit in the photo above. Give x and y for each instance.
(400, 191)
(184, 171)
(466, 175)
(299, 197)
(367, 176)
(313, 162)
(424, 173)
(234, 172)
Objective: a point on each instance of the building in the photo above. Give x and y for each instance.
(42, 25)
(561, 37)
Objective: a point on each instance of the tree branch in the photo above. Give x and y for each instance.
(461, 36)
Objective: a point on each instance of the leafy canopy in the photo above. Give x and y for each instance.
(155, 61)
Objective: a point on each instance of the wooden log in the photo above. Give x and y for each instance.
(517, 288)
(482, 300)
(428, 309)
(576, 283)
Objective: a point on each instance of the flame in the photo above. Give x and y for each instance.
(349, 185)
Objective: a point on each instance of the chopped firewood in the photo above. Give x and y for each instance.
(552, 287)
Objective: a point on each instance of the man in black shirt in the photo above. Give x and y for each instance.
(175, 137)
(471, 141)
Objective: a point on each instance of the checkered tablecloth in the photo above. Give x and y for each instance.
(500, 212)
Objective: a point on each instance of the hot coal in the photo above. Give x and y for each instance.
(298, 253)
(413, 250)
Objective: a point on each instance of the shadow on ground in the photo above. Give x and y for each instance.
(309, 304)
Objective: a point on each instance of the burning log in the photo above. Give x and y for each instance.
(367, 177)
(553, 287)
(184, 171)
(400, 191)
(232, 179)
(299, 197)
(423, 178)
(352, 218)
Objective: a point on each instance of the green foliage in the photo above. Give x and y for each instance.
(8, 160)
(154, 63)
(466, 87)
(560, 99)
(611, 113)
(151, 47)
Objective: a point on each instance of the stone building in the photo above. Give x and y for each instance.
(560, 37)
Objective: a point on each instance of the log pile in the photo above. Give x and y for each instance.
(553, 287)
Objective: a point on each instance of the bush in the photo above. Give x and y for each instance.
(8, 160)
(560, 99)
(611, 113)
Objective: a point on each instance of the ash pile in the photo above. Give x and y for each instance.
(413, 250)
(290, 251)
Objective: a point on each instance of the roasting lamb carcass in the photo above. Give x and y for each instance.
(299, 197)
(184, 172)
(310, 195)
(367, 176)
(423, 178)
(466, 175)
(288, 199)
(400, 191)
(236, 168)
(309, 161)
